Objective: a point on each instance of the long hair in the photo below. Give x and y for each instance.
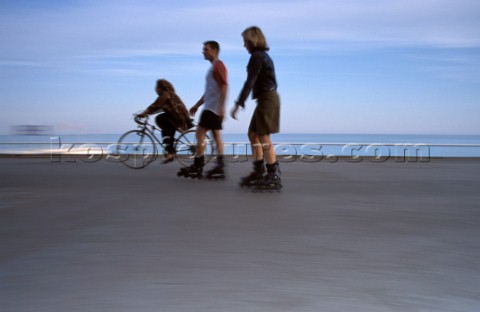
(173, 105)
(165, 85)
(254, 36)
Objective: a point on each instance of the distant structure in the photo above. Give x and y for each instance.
(31, 130)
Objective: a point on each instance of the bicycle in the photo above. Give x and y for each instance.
(138, 148)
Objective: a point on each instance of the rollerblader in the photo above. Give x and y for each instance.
(261, 81)
(213, 112)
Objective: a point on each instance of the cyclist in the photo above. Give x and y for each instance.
(173, 115)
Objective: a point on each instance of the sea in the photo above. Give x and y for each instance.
(306, 145)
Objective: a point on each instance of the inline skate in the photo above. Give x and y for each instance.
(194, 171)
(270, 182)
(218, 172)
(256, 174)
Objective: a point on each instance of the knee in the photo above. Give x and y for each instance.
(265, 142)
(252, 136)
(201, 135)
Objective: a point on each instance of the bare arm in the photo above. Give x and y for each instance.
(220, 75)
(223, 99)
(195, 107)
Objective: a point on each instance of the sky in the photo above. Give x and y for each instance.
(343, 66)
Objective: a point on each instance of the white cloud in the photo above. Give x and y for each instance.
(390, 22)
(140, 28)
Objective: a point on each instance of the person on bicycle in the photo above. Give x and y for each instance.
(213, 101)
(173, 115)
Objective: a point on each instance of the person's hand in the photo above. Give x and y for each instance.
(233, 112)
(193, 110)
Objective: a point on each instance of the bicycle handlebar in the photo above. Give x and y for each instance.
(140, 120)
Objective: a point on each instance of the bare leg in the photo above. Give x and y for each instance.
(267, 149)
(258, 163)
(217, 172)
(218, 141)
(200, 134)
(257, 151)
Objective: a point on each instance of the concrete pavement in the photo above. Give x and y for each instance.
(79, 236)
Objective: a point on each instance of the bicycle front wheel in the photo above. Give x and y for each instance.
(186, 146)
(136, 149)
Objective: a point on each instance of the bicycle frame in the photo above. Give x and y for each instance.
(144, 127)
(185, 145)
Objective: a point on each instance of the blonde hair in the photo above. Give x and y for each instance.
(254, 36)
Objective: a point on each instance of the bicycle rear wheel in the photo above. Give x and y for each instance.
(186, 146)
(136, 149)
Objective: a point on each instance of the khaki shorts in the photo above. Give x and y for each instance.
(266, 117)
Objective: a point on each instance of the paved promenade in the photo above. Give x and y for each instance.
(342, 236)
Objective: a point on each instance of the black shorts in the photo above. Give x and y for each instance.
(210, 121)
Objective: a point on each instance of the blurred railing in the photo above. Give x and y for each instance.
(286, 151)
